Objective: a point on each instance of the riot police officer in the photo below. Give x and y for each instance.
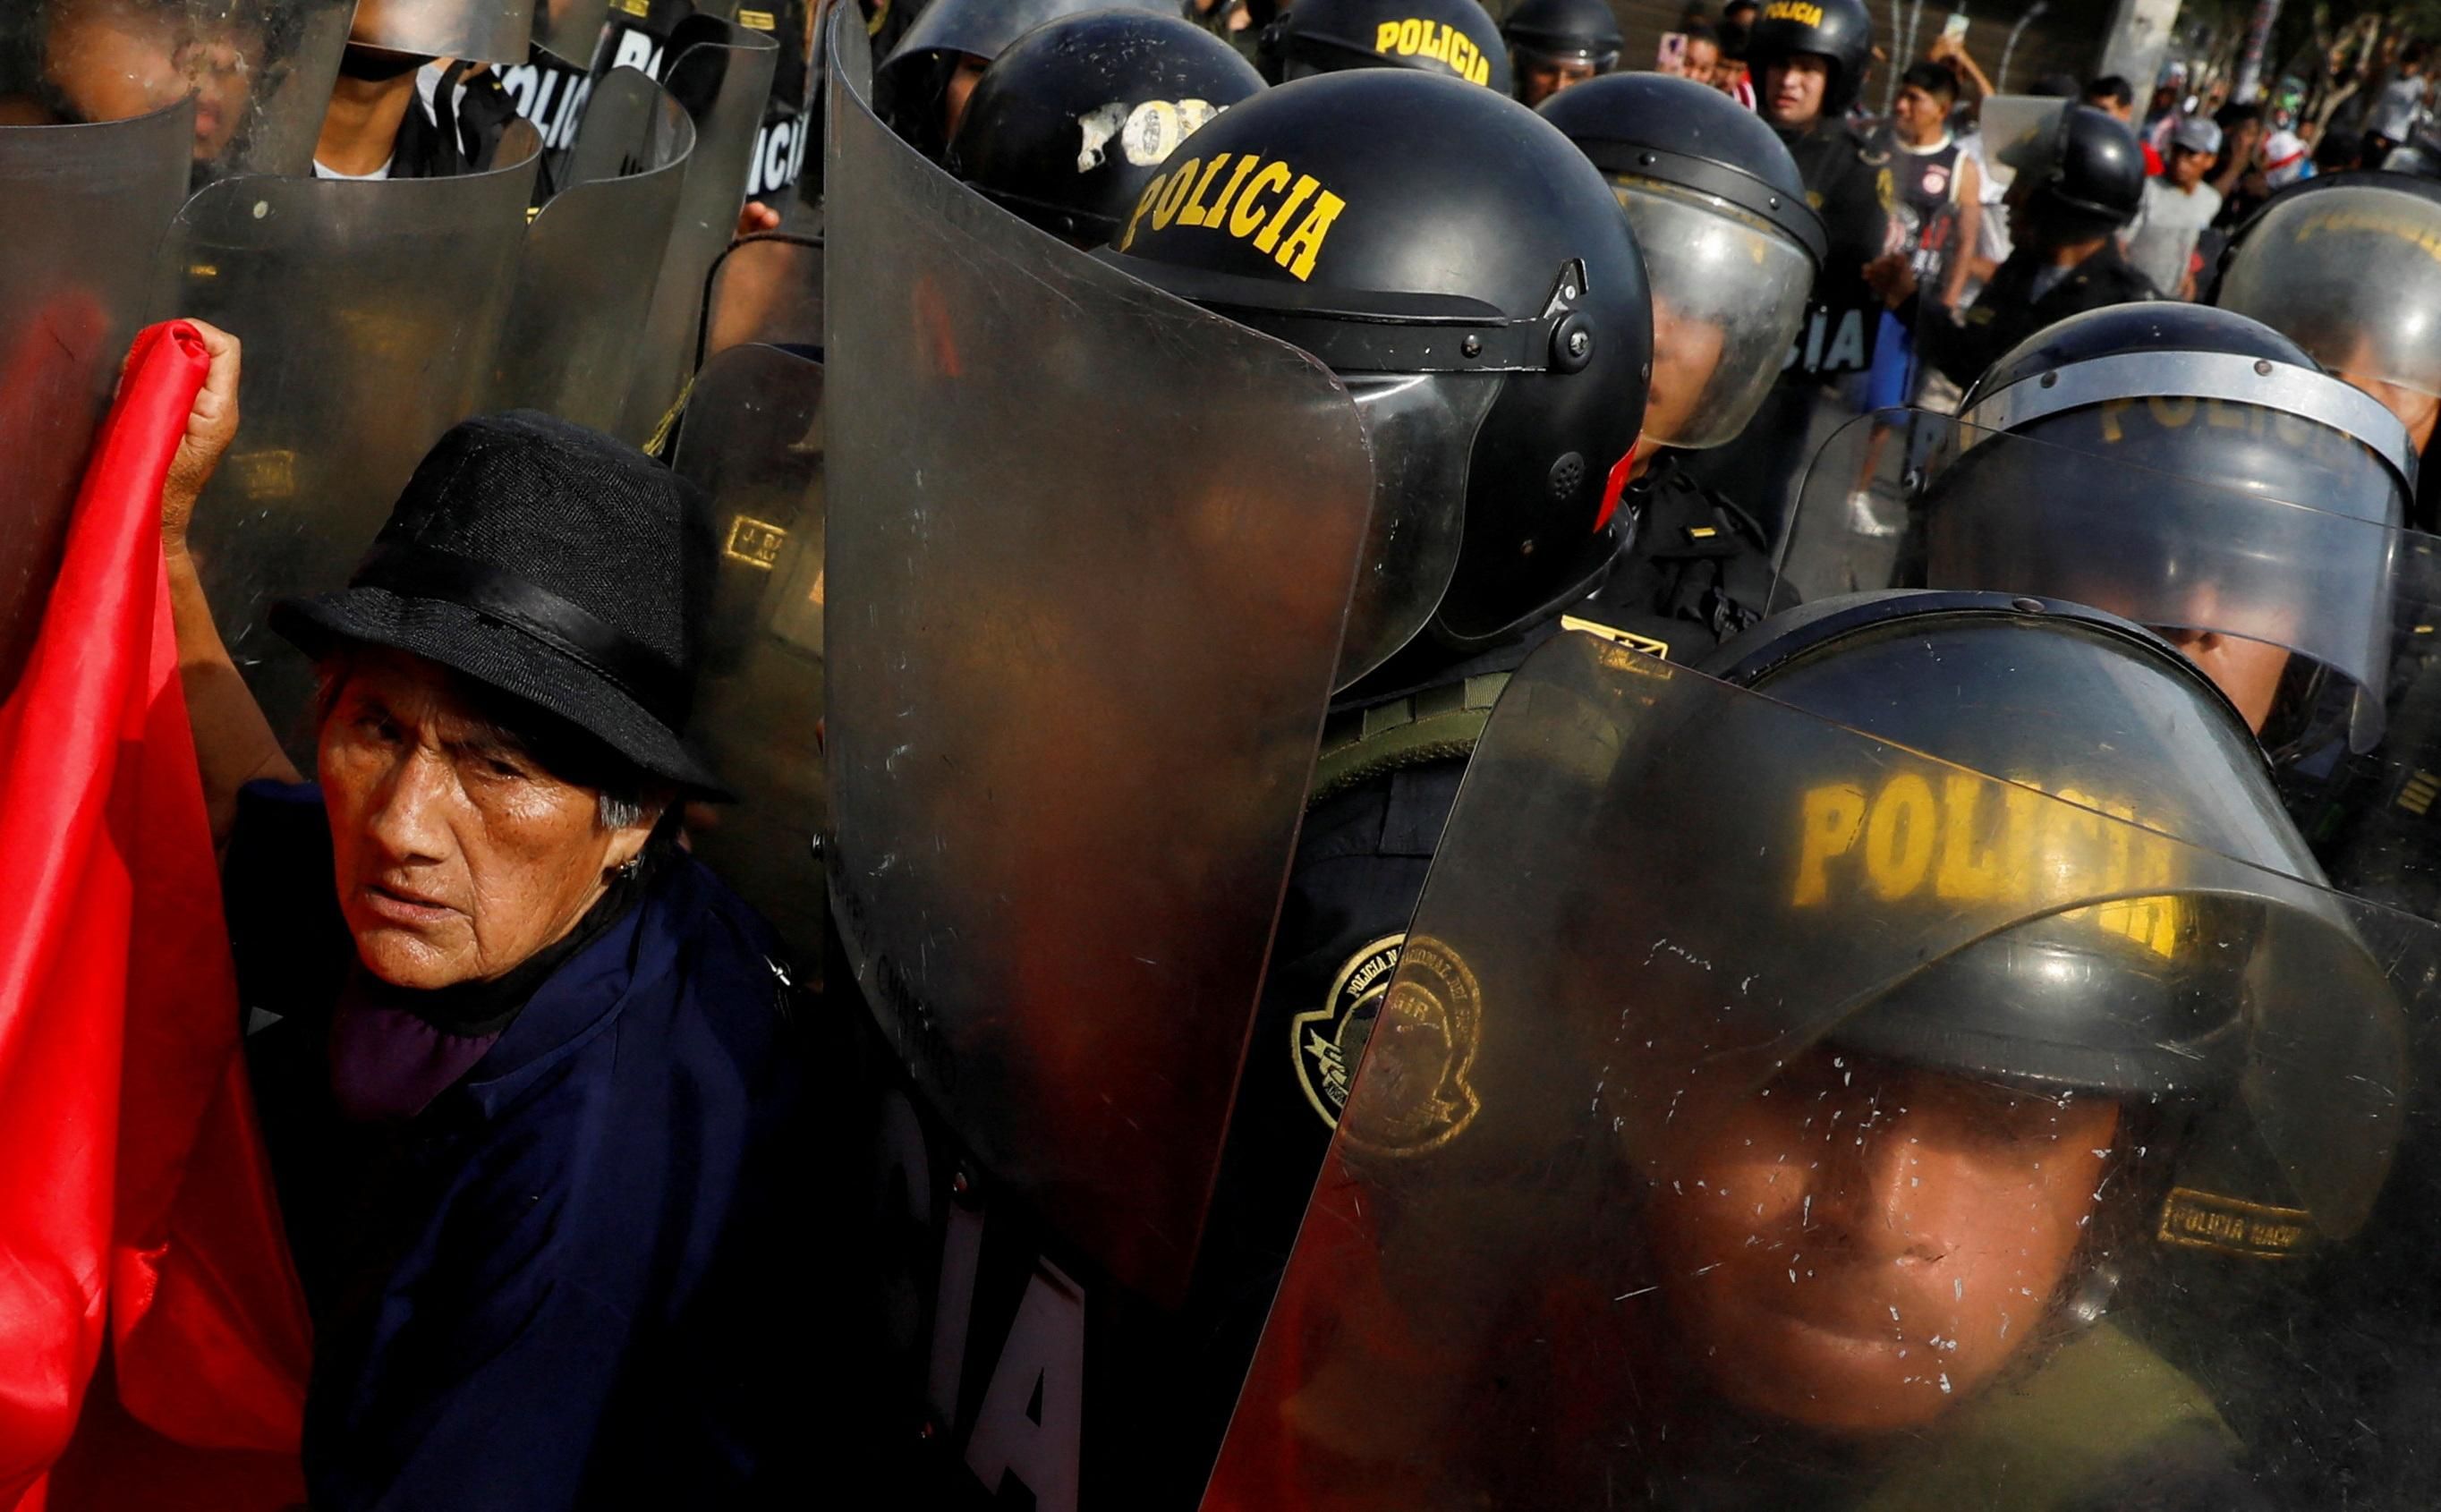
(922, 87)
(2342, 265)
(1901, 1149)
(1451, 37)
(258, 72)
(1554, 44)
(2198, 473)
(2079, 180)
(380, 125)
(1503, 447)
(1808, 61)
(1809, 65)
(1731, 250)
(1065, 128)
(1378, 331)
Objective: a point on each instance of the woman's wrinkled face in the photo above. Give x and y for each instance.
(456, 855)
(1861, 1245)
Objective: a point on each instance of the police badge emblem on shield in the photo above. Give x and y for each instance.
(1328, 1042)
(1429, 1019)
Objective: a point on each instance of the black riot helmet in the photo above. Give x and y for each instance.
(1543, 32)
(2083, 174)
(1730, 245)
(1453, 37)
(2344, 265)
(1839, 30)
(1064, 128)
(912, 85)
(2194, 471)
(1467, 272)
(2145, 996)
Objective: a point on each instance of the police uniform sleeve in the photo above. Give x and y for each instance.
(1857, 216)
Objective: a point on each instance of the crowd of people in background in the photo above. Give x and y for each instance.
(2210, 161)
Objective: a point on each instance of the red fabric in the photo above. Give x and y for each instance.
(135, 1202)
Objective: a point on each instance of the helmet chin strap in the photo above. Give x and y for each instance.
(1621, 472)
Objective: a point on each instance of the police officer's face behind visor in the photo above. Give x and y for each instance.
(457, 855)
(1861, 1246)
(114, 59)
(1686, 353)
(1546, 76)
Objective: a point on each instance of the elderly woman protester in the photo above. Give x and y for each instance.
(532, 1092)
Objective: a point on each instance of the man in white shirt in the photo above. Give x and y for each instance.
(2177, 207)
(2395, 116)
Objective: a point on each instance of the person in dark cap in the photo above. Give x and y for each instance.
(532, 1092)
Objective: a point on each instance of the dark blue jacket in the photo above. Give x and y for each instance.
(573, 1279)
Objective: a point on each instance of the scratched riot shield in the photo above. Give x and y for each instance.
(1089, 559)
(593, 256)
(753, 440)
(1768, 1113)
(372, 314)
(259, 71)
(78, 274)
(492, 31)
(722, 74)
(2278, 578)
(766, 288)
(569, 29)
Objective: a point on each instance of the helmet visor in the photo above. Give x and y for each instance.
(1564, 55)
(2244, 581)
(1422, 431)
(1728, 293)
(2379, 325)
(2015, 129)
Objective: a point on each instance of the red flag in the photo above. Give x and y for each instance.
(135, 1202)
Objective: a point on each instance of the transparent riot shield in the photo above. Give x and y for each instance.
(593, 256)
(496, 31)
(2012, 124)
(1901, 499)
(753, 440)
(1765, 1114)
(259, 71)
(371, 314)
(1089, 559)
(87, 206)
(722, 79)
(570, 30)
(765, 288)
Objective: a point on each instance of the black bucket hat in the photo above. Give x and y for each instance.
(552, 563)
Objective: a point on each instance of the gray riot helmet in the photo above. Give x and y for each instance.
(2344, 265)
(2158, 414)
(913, 87)
(1731, 247)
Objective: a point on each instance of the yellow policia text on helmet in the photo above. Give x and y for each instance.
(1959, 837)
(2339, 222)
(1247, 199)
(1436, 40)
(1801, 12)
